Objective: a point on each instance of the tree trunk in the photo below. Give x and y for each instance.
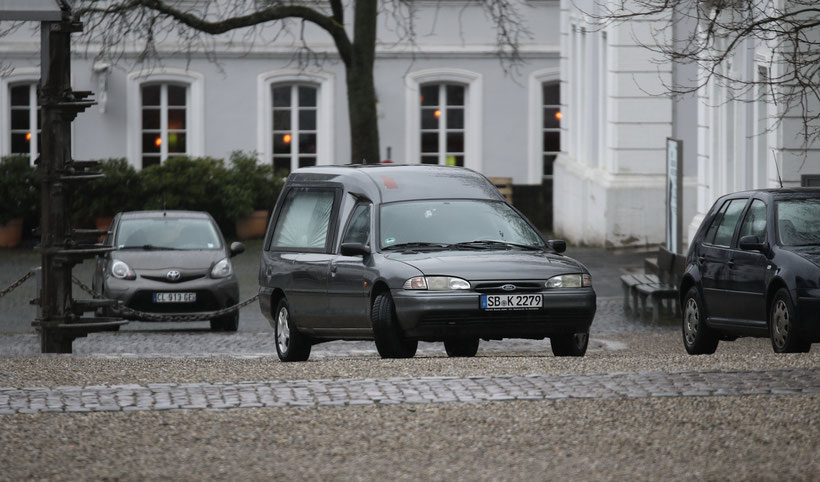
(361, 89)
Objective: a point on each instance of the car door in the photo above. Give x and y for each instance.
(746, 271)
(298, 258)
(347, 290)
(713, 256)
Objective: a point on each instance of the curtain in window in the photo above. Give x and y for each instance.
(304, 220)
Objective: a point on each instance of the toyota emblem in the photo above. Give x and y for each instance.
(508, 287)
(173, 275)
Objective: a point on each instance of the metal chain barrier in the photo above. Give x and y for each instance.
(200, 316)
(17, 283)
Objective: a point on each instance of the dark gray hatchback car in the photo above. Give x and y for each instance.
(399, 254)
(169, 262)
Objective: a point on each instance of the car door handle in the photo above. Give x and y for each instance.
(333, 269)
(701, 259)
(731, 263)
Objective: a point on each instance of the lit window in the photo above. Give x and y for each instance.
(442, 124)
(294, 126)
(164, 122)
(25, 120)
(551, 124)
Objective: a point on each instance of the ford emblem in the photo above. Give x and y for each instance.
(508, 287)
(173, 275)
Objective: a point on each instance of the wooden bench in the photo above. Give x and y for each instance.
(630, 282)
(656, 293)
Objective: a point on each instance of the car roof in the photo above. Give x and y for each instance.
(168, 213)
(776, 192)
(402, 182)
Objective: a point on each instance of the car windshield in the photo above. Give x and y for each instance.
(167, 233)
(798, 222)
(463, 224)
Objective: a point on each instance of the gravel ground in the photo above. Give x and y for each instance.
(634, 353)
(757, 438)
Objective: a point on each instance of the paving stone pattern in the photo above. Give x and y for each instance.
(312, 393)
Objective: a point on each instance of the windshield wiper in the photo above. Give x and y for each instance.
(408, 246)
(150, 247)
(490, 244)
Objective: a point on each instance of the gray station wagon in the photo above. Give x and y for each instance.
(399, 254)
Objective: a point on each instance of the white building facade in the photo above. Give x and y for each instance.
(444, 98)
(610, 180)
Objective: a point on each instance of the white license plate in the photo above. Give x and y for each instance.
(511, 302)
(174, 297)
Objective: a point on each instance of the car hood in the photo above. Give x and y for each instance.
(493, 265)
(166, 259)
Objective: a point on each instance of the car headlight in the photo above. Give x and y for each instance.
(120, 270)
(222, 269)
(436, 283)
(569, 281)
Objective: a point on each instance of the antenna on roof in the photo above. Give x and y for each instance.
(774, 154)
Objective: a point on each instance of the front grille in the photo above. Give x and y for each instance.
(164, 279)
(520, 286)
(144, 301)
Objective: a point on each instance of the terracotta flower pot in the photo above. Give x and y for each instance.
(252, 226)
(11, 233)
(102, 224)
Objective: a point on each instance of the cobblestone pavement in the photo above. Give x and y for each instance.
(388, 391)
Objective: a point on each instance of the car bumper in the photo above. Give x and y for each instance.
(433, 316)
(211, 295)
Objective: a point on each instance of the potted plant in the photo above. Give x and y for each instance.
(251, 192)
(18, 198)
(197, 184)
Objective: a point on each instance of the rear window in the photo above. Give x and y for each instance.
(723, 226)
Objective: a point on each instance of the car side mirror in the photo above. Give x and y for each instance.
(354, 249)
(237, 248)
(752, 243)
(559, 245)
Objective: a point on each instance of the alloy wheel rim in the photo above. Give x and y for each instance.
(282, 330)
(691, 319)
(780, 323)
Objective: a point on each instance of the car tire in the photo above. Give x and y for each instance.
(461, 347)
(291, 345)
(572, 344)
(698, 339)
(386, 331)
(783, 327)
(228, 322)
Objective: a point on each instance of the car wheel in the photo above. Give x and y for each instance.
(783, 326)
(461, 347)
(290, 344)
(389, 341)
(574, 344)
(228, 322)
(698, 339)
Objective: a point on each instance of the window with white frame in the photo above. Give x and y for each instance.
(550, 125)
(164, 121)
(442, 123)
(295, 126)
(25, 119)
